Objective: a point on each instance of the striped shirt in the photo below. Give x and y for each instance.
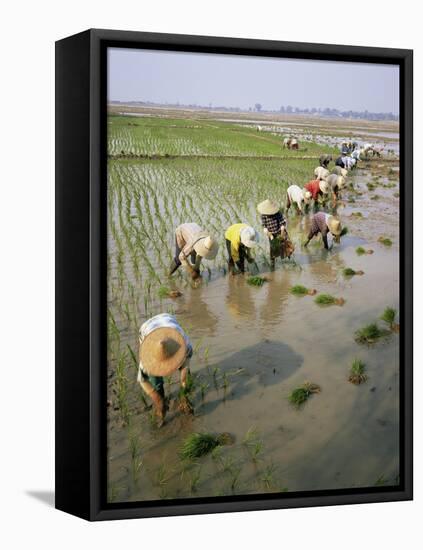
(273, 222)
(187, 235)
(163, 320)
(319, 224)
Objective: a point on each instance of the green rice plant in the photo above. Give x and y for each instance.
(375, 197)
(357, 375)
(199, 444)
(349, 272)
(385, 241)
(328, 300)
(298, 290)
(388, 316)
(163, 292)
(369, 334)
(360, 250)
(371, 186)
(300, 395)
(344, 231)
(267, 476)
(195, 480)
(203, 389)
(357, 214)
(256, 280)
(235, 473)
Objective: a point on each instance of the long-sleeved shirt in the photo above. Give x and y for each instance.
(233, 234)
(295, 194)
(273, 222)
(314, 187)
(319, 224)
(163, 320)
(187, 235)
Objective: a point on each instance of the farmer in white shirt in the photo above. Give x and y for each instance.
(299, 197)
(191, 241)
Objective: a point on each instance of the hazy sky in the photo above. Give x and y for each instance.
(239, 81)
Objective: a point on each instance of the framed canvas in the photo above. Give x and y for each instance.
(233, 274)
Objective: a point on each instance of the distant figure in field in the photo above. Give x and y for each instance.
(321, 173)
(298, 197)
(290, 143)
(324, 223)
(240, 239)
(164, 348)
(191, 241)
(346, 162)
(325, 160)
(294, 144)
(340, 171)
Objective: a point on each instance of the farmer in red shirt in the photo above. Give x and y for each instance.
(317, 188)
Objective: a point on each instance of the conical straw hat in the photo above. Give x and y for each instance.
(334, 226)
(268, 208)
(207, 247)
(163, 351)
(324, 186)
(249, 237)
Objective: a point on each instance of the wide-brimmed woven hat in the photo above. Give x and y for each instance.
(249, 237)
(334, 226)
(163, 351)
(307, 195)
(324, 187)
(207, 247)
(268, 207)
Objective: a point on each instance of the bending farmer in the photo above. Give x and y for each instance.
(240, 238)
(192, 241)
(274, 225)
(324, 223)
(164, 348)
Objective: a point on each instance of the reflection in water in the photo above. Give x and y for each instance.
(239, 298)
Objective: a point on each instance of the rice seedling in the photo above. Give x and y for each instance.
(328, 300)
(369, 334)
(300, 290)
(385, 241)
(349, 272)
(300, 395)
(253, 444)
(388, 316)
(360, 251)
(357, 375)
(199, 444)
(344, 231)
(195, 480)
(357, 215)
(256, 280)
(371, 186)
(267, 476)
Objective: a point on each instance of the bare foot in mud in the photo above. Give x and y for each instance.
(340, 301)
(175, 294)
(312, 292)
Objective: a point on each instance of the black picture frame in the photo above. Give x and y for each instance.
(81, 95)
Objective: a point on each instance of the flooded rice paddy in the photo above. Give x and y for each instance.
(252, 345)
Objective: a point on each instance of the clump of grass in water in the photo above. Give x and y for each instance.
(388, 316)
(375, 197)
(385, 241)
(198, 444)
(300, 290)
(360, 251)
(300, 395)
(369, 334)
(328, 300)
(357, 214)
(256, 280)
(166, 292)
(349, 272)
(357, 375)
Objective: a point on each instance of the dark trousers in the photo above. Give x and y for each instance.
(178, 249)
(242, 255)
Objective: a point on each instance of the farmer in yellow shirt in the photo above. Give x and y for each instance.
(240, 238)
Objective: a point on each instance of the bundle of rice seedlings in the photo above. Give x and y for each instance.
(369, 334)
(328, 300)
(357, 375)
(166, 292)
(199, 444)
(256, 280)
(357, 214)
(344, 231)
(300, 290)
(388, 316)
(300, 395)
(349, 272)
(360, 250)
(385, 241)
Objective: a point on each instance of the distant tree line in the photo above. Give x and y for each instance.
(258, 107)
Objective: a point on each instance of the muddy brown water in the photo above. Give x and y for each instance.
(252, 347)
